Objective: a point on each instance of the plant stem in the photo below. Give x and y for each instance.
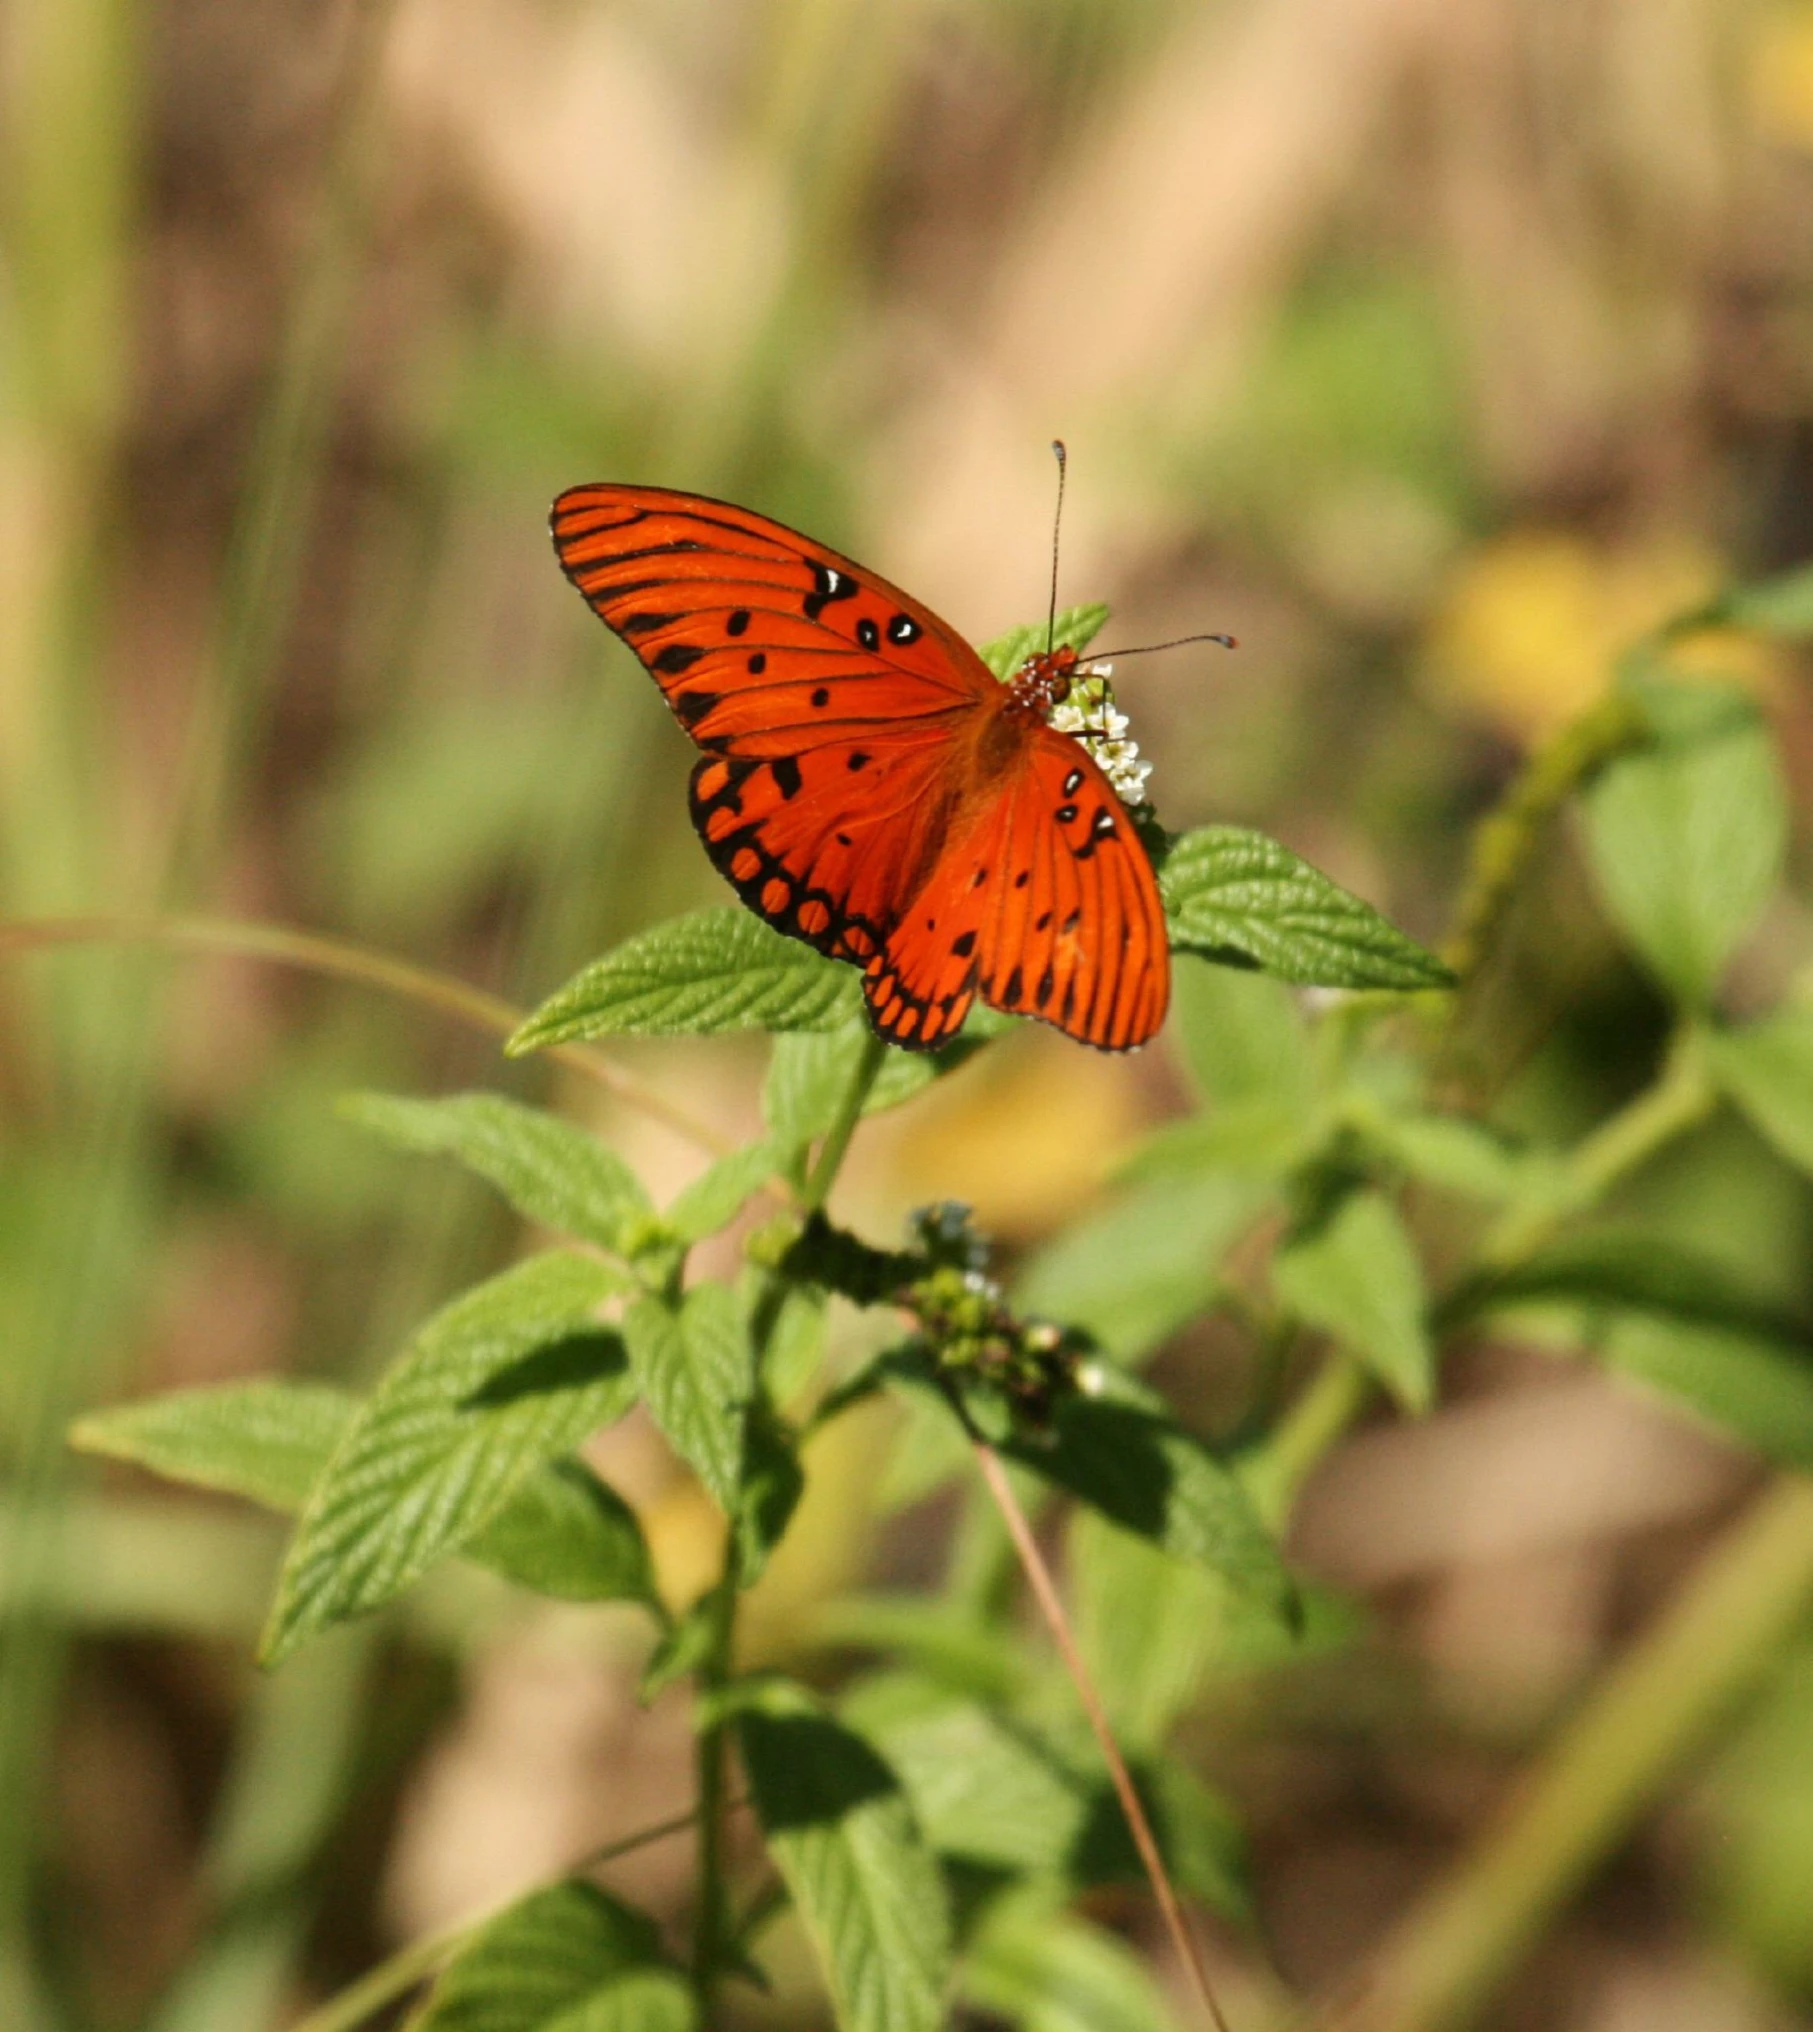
(413, 1964)
(1506, 840)
(339, 959)
(849, 1112)
(1442, 1964)
(1051, 1606)
(1274, 1472)
(712, 1920)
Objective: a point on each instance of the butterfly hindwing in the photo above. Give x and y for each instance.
(1046, 906)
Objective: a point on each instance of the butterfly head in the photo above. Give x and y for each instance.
(1042, 682)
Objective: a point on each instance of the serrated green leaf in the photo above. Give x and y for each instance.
(1244, 1039)
(991, 1789)
(567, 1534)
(512, 1375)
(684, 1646)
(694, 1368)
(1044, 1971)
(1126, 1457)
(1688, 834)
(1075, 628)
(563, 1533)
(718, 1194)
(1748, 1387)
(1356, 1276)
(1767, 1069)
(1242, 898)
(570, 1958)
(1150, 1260)
(863, 1880)
(264, 1440)
(1251, 1139)
(695, 976)
(549, 1171)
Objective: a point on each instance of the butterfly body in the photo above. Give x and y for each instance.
(867, 785)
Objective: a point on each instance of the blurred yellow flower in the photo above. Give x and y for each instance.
(1531, 624)
(1781, 76)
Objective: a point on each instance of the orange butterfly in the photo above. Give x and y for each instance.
(868, 785)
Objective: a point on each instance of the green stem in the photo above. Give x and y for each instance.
(1506, 840)
(338, 959)
(712, 1925)
(1275, 1471)
(1441, 1966)
(849, 1112)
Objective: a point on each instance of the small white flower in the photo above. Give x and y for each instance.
(1091, 715)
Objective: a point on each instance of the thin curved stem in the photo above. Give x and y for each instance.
(339, 959)
(832, 1150)
(1051, 1606)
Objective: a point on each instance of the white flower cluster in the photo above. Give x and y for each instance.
(1092, 716)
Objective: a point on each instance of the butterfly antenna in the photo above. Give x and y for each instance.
(1051, 617)
(1180, 642)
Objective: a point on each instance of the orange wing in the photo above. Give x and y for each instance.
(1046, 905)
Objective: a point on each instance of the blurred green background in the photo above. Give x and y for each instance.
(1432, 351)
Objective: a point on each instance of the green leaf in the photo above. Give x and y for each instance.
(994, 1791)
(1153, 1628)
(683, 1647)
(694, 1368)
(1748, 1387)
(511, 1375)
(1124, 1456)
(1075, 628)
(264, 1440)
(1453, 1154)
(863, 1881)
(567, 1959)
(1767, 1069)
(567, 1534)
(1777, 606)
(1688, 834)
(1356, 1276)
(793, 1327)
(1135, 1272)
(717, 1195)
(1244, 1039)
(1251, 1139)
(1243, 899)
(547, 1169)
(773, 1482)
(694, 976)
(1044, 1971)
(563, 1532)
(807, 1080)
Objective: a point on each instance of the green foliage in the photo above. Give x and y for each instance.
(563, 1532)
(505, 1379)
(694, 1368)
(1767, 1069)
(1688, 833)
(932, 1826)
(862, 1879)
(549, 1171)
(1240, 897)
(715, 970)
(570, 1958)
(1354, 1273)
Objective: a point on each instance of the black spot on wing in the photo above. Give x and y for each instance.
(646, 624)
(737, 622)
(828, 584)
(692, 706)
(675, 658)
(786, 775)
